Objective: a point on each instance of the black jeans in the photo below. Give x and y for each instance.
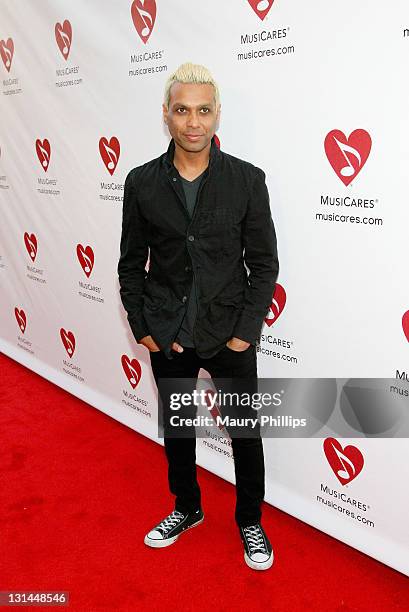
(181, 452)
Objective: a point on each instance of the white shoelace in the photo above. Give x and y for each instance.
(170, 521)
(255, 539)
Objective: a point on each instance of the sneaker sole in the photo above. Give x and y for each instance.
(259, 566)
(168, 541)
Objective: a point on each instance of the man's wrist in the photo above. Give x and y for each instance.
(238, 341)
(234, 337)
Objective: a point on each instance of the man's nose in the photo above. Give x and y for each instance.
(193, 119)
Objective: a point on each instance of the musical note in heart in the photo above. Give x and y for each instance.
(277, 305)
(261, 7)
(68, 341)
(86, 258)
(63, 36)
(346, 463)
(143, 14)
(43, 153)
(7, 52)
(132, 370)
(110, 152)
(21, 318)
(31, 245)
(347, 156)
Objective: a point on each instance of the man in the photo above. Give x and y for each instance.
(194, 210)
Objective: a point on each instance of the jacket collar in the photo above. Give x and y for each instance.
(214, 156)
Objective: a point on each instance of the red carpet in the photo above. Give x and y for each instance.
(79, 490)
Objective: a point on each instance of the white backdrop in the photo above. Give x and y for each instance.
(314, 93)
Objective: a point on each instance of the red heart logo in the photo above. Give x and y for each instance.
(110, 152)
(277, 305)
(7, 52)
(63, 36)
(86, 258)
(346, 462)
(405, 324)
(143, 14)
(261, 7)
(68, 341)
(347, 156)
(132, 370)
(21, 318)
(31, 245)
(43, 153)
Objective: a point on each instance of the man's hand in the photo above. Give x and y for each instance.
(236, 344)
(150, 344)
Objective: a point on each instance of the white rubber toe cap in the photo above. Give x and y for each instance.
(155, 535)
(259, 557)
(259, 561)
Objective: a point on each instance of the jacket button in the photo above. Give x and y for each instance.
(174, 179)
(187, 268)
(184, 298)
(190, 238)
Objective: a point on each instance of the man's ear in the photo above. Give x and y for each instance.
(165, 113)
(218, 117)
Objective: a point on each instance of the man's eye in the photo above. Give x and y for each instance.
(180, 109)
(206, 110)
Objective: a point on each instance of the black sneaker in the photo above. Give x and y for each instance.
(258, 553)
(168, 530)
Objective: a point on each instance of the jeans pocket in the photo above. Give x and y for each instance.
(153, 355)
(233, 351)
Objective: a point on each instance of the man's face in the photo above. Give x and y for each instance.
(192, 116)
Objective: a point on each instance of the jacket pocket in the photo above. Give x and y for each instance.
(233, 293)
(215, 230)
(154, 294)
(218, 219)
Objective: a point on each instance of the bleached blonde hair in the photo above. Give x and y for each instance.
(191, 73)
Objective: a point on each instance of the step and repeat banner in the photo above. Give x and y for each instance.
(316, 94)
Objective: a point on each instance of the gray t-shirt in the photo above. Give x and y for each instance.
(185, 334)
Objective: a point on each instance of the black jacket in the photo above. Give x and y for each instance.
(232, 213)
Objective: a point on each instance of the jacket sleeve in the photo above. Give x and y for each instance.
(133, 258)
(260, 256)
